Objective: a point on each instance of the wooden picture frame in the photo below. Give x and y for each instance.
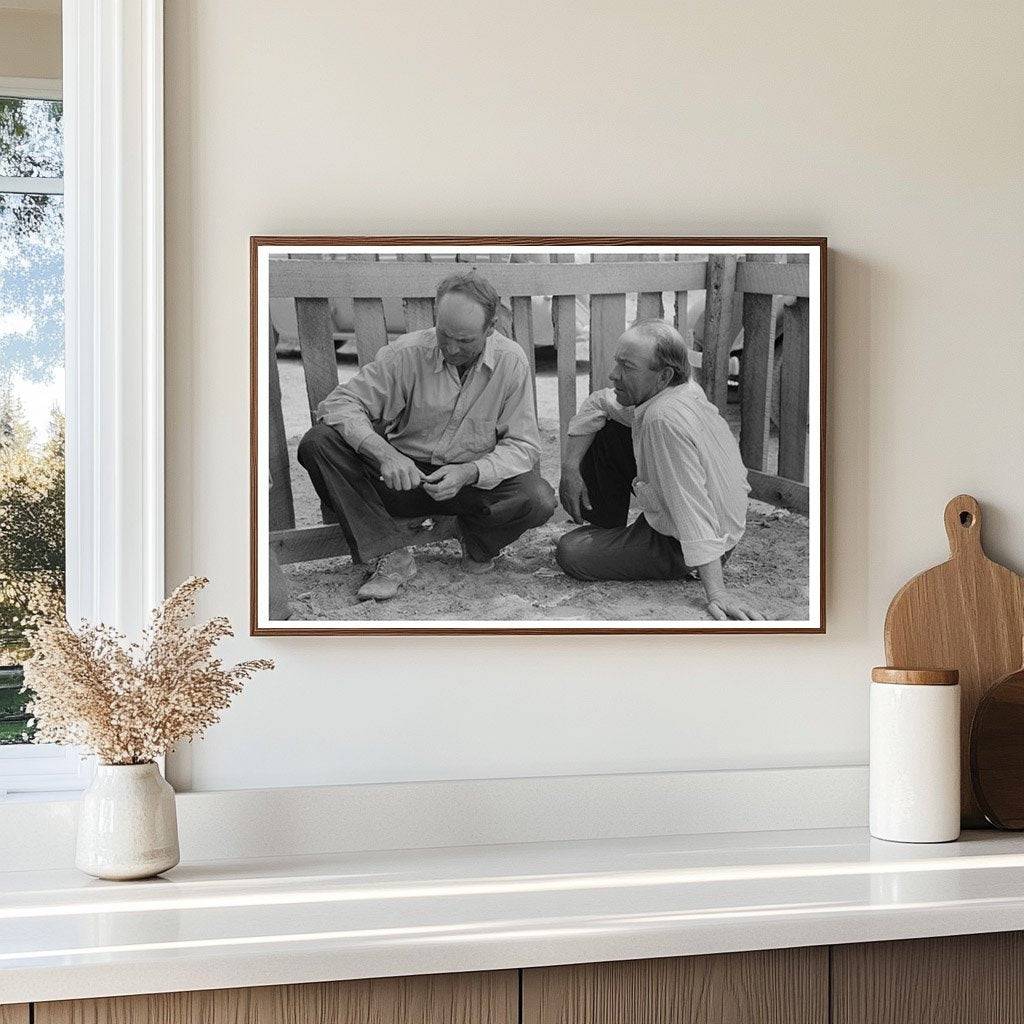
(776, 286)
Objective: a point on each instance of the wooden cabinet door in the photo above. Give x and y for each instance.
(960, 979)
(480, 998)
(777, 986)
(14, 1013)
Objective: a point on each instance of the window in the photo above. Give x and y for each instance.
(99, 160)
(32, 548)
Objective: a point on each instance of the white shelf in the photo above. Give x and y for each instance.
(352, 915)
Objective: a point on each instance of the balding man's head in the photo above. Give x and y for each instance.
(649, 357)
(668, 349)
(464, 317)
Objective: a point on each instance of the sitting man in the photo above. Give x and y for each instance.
(442, 422)
(654, 435)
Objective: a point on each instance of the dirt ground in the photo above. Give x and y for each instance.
(769, 568)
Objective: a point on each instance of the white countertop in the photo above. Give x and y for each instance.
(261, 922)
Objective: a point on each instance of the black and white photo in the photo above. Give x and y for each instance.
(525, 435)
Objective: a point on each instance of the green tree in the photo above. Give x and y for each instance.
(31, 544)
(15, 429)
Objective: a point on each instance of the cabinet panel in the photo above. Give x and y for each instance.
(777, 986)
(479, 998)
(961, 979)
(14, 1013)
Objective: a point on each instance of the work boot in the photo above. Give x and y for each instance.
(471, 565)
(390, 573)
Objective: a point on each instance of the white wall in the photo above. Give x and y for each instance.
(30, 40)
(895, 129)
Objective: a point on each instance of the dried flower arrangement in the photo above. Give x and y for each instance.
(130, 703)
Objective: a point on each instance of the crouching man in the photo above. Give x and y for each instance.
(655, 436)
(442, 422)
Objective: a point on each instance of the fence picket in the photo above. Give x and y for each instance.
(419, 313)
(522, 328)
(371, 330)
(756, 379)
(607, 324)
(649, 304)
(563, 323)
(281, 506)
(563, 316)
(316, 345)
(756, 373)
(794, 384)
(522, 331)
(681, 323)
(368, 319)
(718, 328)
(319, 360)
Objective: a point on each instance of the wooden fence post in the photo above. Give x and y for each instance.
(794, 385)
(756, 373)
(280, 505)
(718, 328)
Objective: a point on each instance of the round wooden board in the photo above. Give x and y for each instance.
(997, 752)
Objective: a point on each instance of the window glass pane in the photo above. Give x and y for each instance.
(31, 138)
(31, 432)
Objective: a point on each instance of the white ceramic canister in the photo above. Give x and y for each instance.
(127, 825)
(915, 755)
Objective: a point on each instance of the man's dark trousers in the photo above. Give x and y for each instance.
(609, 549)
(367, 508)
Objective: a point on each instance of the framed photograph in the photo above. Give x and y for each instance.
(537, 435)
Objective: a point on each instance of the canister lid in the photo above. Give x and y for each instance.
(916, 676)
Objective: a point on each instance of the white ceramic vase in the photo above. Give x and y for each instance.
(127, 825)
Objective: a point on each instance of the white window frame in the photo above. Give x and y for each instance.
(114, 324)
(44, 767)
(31, 89)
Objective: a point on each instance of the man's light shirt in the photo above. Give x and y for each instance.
(691, 483)
(430, 415)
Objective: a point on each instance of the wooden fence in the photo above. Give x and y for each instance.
(606, 281)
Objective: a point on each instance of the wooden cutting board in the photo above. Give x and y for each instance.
(967, 614)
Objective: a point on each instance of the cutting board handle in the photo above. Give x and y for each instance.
(963, 526)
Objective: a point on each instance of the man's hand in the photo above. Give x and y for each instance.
(446, 482)
(572, 493)
(720, 604)
(399, 472)
(723, 607)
